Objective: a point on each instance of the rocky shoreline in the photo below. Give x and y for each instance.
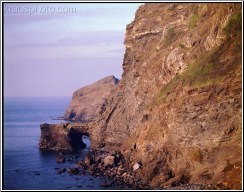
(116, 171)
(112, 165)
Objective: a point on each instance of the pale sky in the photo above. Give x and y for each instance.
(49, 52)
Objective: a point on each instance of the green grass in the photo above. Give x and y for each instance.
(196, 155)
(182, 46)
(205, 71)
(234, 25)
(193, 20)
(197, 73)
(170, 33)
(233, 29)
(194, 8)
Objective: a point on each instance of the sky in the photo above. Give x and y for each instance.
(53, 49)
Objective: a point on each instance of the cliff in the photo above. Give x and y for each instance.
(87, 101)
(177, 110)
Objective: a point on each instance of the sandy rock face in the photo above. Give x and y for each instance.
(177, 108)
(87, 101)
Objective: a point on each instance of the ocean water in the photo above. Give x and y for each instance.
(25, 167)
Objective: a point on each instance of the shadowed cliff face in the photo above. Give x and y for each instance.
(177, 109)
(87, 101)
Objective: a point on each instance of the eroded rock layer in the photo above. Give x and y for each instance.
(178, 107)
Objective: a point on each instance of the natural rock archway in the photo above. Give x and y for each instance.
(63, 137)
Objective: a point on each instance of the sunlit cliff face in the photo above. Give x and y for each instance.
(177, 108)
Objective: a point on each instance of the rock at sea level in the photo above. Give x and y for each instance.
(109, 160)
(61, 137)
(60, 158)
(136, 166)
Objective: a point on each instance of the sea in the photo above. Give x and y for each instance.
(25, 167)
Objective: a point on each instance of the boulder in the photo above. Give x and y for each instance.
(87, 160)
(61, 170)
(60, 158)
(136, 166)
(73, 171)
(98, 159)
(109, 160)
(106, 183)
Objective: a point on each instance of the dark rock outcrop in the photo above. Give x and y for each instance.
(87, 101)
(63, 137)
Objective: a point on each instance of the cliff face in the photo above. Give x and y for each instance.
(87, 101)
(177, 109)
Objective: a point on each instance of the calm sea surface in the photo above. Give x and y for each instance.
(24, 165)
